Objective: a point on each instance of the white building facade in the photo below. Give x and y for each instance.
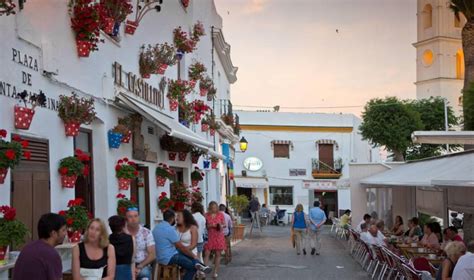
(297, 158)
(39, 54)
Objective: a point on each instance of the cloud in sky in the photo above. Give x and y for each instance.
(255, 6)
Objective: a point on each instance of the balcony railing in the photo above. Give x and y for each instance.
(225, 113)
(322, 170)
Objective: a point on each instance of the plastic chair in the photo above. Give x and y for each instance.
(411, 273)
(422, 264)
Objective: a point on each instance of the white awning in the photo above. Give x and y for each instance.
(251, 182)
(165, 122)
(443, 137)
(211, 152)
(328, 141)
(449, 170)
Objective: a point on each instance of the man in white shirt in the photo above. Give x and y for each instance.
(364, 235)
(464, 269)
(366, 220)
(375, 236)
(197, 209)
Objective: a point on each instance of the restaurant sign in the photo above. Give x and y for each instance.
(324, 185)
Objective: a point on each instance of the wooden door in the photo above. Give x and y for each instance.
(326, 154)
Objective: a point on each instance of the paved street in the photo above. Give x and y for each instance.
(269, 256)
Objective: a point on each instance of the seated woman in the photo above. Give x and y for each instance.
(414, 230)
(430, 239)
(454, 250)
(346, 219)
(398, 228)
(94, 257)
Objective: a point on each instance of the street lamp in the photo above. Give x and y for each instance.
(243, 144)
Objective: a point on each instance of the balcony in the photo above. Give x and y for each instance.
(228, 121)
(321, 170)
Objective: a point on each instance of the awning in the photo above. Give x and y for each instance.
(210, 151)
(251, 182)
(165, 122)
(282, 142)
(450, 170)
(328, 141)
(443, 137)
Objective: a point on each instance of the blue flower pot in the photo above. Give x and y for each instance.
(179, 55)
(116, 30)
(114, 139)
(206, 163)
(185, 123)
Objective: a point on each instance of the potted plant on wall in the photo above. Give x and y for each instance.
(165, 55)
(12, 231)
(168, 144)
(125, 171)
(214, 162)
(163, 173)
(182, 43)
(204, 85)
(116, 12)
(77, 217)
(127, 123)
(198, 31)
(69, 169)
(146, 62)
(195, 73)
(24, 115)
(213, 125)
(196, 195)
(75, 111)
(123, 204)
(180, 194)
(7, 7)
(177, 89)
(211, 93)
(183, 149)
(164, 202)
(116, 135)
(239, 203)
(11, 153)
(85, 21)
(199, 109)
(196, 153)
(196, 176)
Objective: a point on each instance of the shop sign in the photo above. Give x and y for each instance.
(137, 86)
(253, 164)
(297, 172)
(320, 185)
(29, 65)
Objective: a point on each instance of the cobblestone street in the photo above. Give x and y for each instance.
(269, 256)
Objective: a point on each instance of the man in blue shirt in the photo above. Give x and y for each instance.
(169, 250)
(317, 218)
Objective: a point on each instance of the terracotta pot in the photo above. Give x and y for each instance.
(173, 105)
(126, 138)
(74, 236)
(83, 48)
(194, 183)
(185, 3)
(192, 83)
(3, 254)
(195, 159)
(239, 231)
(162, 69)
(214, 164)
(160, 181)
(203, 91)
(108, 25)
(68, 181)
(72, 128)
(130, 27)
(204, 127)
(3, 174)
(172, 155)
(124, 184)
(182, 156)
(212, 132)
(23, 117)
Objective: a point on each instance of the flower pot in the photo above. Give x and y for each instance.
(130, 27)
(114, 139)
(210, 97)
(74, 236)
(192, 83)
(162, 69)
(146, 76)
(194, 183)
(126, 138)
(206, 164)
(184, 122)
(109, 24)
(172, 155)
(212, 132)
(23, 117)
(124, 183)
(3, 254)
(83, 48)
(173, 105)
(3, 174)
(195, 159)
(182, 156)
(160, 181)
(179, 54)
(203, 91)
(116, 30)
(214, 164)
(185, 3)
(239, 231)
(72, 128)
(68, 181)
(204, 127)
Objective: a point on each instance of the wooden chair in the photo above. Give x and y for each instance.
(166, 272)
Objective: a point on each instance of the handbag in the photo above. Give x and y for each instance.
(91, 273)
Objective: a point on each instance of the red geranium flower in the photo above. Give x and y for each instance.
(10, 154)
(120, 161)
(24, 144)
(10, 214)
(62, 213)
(122, 210)
(85, 170)
(3, 133)
(125, 159)
(163, 193)
(27, 155)
(16, 138)
(117, 167)
(89, 215)
(69, 221)
(135, 173)
(120, 195)
(78, 152)
(63, 170)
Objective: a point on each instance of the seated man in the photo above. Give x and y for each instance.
(375, 236)
(452, 234)
(167, 246)
(364, 234)
(366, 220)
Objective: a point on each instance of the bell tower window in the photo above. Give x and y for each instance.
(427, 16)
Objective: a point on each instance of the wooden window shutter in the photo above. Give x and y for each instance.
(281, 150)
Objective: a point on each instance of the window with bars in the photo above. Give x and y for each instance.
(281, 195)
(281, 150)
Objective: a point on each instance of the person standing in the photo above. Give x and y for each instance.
(216, 240)
(124, 246)
(198, 213)
(227, 231)
(317, 218)
(299, 228)
(254, 210)
(39, 259)
(95, 256)
(144, 244)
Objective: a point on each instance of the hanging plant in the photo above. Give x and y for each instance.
(75, 111)
(214, 162)
(165, 203)
(22, 114)
(115, 12)
(196, 195)
(213, 125)
(196, 71)
(77, 218)
(163, 172)
(123, 204)
(186, 113)
(12, 231)
(205, 84)
(147, 62)
(185, 3)
(7, 7)
(196, 153)
(11, 153)
(86, 23)
(198, 31)
(199, 108)
(180, 194)
(116, 135)
(70, 168)
(125, 171)
(196, 176)
(182, 43)
(143, 7)
(127, 130)
(177, 89)
(211, 93)
(165, 55)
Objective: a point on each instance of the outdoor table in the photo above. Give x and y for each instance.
(5, 268)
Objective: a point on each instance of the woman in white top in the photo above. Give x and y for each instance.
(198, 213)
(188, 230)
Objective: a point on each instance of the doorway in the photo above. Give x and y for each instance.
(328, 200)
(30, 186)
(85, 184)
(248, 193)
(140, 192)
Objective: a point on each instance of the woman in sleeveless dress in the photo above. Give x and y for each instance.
(299, 226)
(187, 229)
(216, 241)
(94, 258)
